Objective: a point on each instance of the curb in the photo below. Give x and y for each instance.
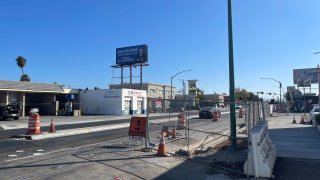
(72, 132)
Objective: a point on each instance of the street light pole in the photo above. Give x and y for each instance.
(233, 124)
(318, 81)
(171, 90)
(280, 87)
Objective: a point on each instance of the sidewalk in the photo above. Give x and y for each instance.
(298, 148)
(66, 120)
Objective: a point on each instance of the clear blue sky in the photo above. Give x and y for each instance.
(73, 42)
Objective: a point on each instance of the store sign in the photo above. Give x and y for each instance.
(158, 104)
(111, 94)
(132, 55)
(138, 93)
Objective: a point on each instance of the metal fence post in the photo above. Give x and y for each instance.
(249, 119)
(189, 129)
(259, 111)
(263, 111)
(253, 115)
(147, 124)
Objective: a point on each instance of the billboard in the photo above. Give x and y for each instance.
(132, 55)
(305, 77)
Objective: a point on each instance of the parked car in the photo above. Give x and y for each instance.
(206, 112)
(175, 109)
(315, 110)
(10, 111)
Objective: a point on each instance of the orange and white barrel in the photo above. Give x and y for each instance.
(215, 116)
(34, 124)
(182, 121)
(241, 113)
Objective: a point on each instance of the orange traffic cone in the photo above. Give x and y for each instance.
(162, 147)
(174, 133)
(294, 120)
(302, 120)
(52, 128)
(165, 133)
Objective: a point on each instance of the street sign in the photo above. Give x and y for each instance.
(138, 126)
(158, 104)
(132, 55)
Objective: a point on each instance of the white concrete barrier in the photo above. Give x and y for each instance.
(262, 153)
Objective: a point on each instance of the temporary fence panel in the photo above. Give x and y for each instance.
(199, 128)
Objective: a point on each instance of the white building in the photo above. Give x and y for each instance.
(113, 102)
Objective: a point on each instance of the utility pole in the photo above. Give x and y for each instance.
(233, 124)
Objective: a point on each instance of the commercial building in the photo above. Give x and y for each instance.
(49, 98)
(156, 91)
(113, 102)
(218, 99)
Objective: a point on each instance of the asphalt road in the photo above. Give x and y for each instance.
(9, 146)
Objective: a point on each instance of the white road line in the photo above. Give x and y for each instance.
(66, 149)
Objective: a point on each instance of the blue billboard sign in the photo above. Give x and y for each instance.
(132, 55)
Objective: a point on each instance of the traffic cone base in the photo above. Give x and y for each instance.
(162, 147)
(52, 128)
(174, 133)
(294, 120)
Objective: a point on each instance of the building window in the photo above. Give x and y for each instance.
(161, 91)
(152, 91)
(167, 92)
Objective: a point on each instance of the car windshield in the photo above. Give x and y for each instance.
(316, 110)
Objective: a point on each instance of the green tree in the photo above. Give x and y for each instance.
(287, 96)
(61, 85)
(25, 77)
(241, 94)
(253, 97)
(200, 94)
(21, 62)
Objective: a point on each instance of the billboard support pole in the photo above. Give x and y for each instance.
(304, 101)
(121, 77)
(140, 76)
(130, 76)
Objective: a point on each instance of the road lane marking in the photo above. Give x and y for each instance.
(12, 155)
(66, 149)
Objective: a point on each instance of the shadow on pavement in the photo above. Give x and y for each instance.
(296, 169)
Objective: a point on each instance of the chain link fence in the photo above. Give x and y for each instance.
(201, 130)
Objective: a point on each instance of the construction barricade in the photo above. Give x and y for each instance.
(34, 122)
(181, 121)
(262, 153)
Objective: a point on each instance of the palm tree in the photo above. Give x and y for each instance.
(21, 62)
(25, 77)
